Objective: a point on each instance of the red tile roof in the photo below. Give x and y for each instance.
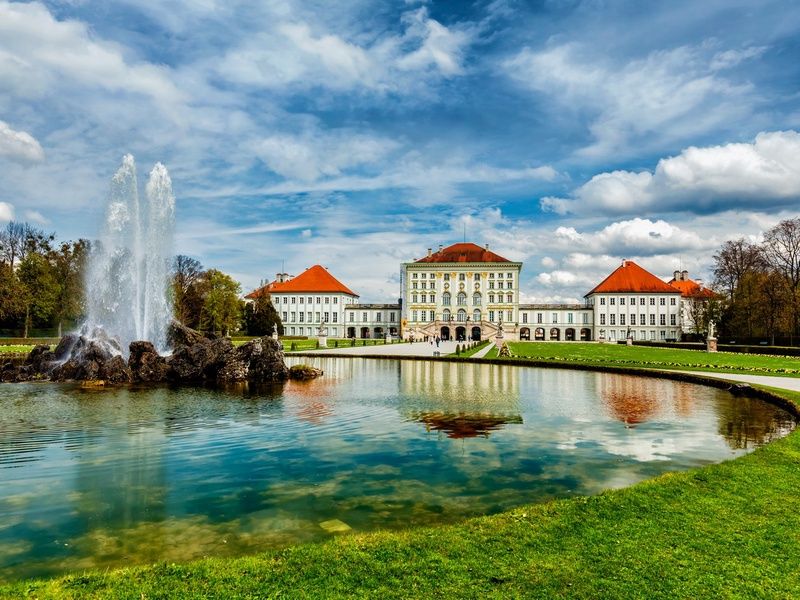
(266, 289)
(691, 289)
(464, 252)
(630, 277)
(315, 279)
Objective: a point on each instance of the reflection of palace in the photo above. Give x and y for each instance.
(460, 426)
(468, 292)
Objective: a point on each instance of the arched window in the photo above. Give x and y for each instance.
(462, 299)
(462, 315)
(446, 314)
(476, 315)
(476, 299)
(446, 298)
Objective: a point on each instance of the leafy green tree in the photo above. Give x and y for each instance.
(12, 305)
(260, 317)
(69, 262)
(40, 290)
(222, 311)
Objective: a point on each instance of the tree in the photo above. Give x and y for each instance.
(186, 272)
(733, 262)
(69, 262)
(260, 317)
(18, 240)
(39, 289)
(12, 304)
(781, 251)
(221, 306)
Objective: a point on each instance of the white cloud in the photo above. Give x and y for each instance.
(296, 53)
(666, 95)
(316, 154)
(34, 216)
(38, 53)
(6, 212)
(763, 174)
(19, 145)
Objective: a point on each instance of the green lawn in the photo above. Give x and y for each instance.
(471, 351)
(724, 531)
(15, 349)
(620, 355)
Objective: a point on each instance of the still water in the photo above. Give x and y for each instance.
(113, 477)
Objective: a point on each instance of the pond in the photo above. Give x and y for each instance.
(104, 478)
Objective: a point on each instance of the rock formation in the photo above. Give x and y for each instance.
(196, 358)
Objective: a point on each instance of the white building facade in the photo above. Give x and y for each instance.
(462, 292)
(372, 321)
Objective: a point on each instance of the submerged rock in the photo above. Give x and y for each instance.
(303, 372)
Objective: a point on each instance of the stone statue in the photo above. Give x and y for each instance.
(711, 329)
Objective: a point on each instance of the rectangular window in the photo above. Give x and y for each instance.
(462, 277)
(585, 319)
(424, 275)
(652, 301)
(491, 275)
(643, 335)
(569, 318)
(433, 285)
(509, 275)
(538, 317)
(672, 301)
(327, 300)
(524, 317)
(364, 317)
(652, 335)
(510, 315)
(602, 319)
(352, 316)
(509, 285)
(652, 320)
(622, 319)
(642, 319)
(633, 319)
(555, 317)
(612, 301)
(378, 317)
(302, 300)
(292, 330)
(391, 317)
(633, 301)
(335, 300)
(663, 320)
(302, 317)
(309, 300)
(285, 316)
(602, 301)
(293, 299)
(294, 317)
(415, 298)
(499, 275)
(509, 298)
(672, 320)
(491, 285)
(662, 301)
(613, 319)
(335, 317)
(477, 277)
(414, 315)
(641, 303)
(424, 298)
(424, 285)
(663, 334)
(326, 317)
(414, 285)
(622, 301)
(447, 276)
(413, 275)
(317, 315)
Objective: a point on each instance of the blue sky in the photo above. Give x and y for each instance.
(565, 134)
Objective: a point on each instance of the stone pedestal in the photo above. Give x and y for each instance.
(322, 340)
(711, 344)
(629, 341)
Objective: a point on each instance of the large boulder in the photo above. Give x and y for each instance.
(146, 364)
(40, 358)
(257, 361)
(91, 359)
(200, 361)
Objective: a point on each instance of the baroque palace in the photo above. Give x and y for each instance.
(468, 292)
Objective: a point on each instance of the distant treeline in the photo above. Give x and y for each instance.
(42, 288)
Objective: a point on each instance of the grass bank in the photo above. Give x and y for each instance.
(727, 530)
(620, 355)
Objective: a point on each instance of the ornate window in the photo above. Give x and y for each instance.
(446, 298)
(462, 299)
(476, 299)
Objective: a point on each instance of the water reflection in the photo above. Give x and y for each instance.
(111, 477)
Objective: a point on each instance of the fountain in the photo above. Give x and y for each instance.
(127, 282)
(129, 334)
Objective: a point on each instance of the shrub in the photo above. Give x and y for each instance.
(352, 342)
(335, 343)
(293, 347)
(317, 345)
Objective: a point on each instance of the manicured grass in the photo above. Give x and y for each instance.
(620, 355)
(15, 349)
(471, 351)
(723, 531)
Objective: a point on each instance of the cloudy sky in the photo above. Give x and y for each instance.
(357, 134)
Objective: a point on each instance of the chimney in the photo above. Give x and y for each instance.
(487, 246)
(440, 247)
(624, 262)
(684, 275)
(676, 275)
(429, 251)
